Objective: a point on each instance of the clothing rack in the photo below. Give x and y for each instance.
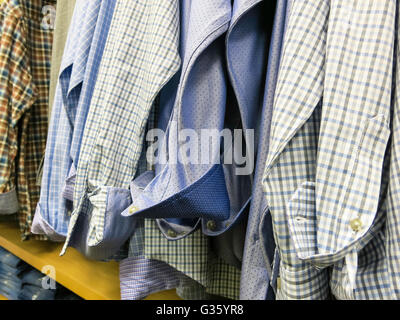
(91, 280)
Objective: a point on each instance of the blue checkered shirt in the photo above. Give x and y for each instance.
(331, 177)
(78, 72)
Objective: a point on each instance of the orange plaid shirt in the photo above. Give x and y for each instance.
(25, 53)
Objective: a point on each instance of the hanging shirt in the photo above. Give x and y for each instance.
(17, 95)
(139, 276)
(121, 86)
(179, 193)
(65, 9)
(81, 60)
(137, 62)
(24, 22)
(250, 28)
(331, 175)
(256, 268)
(64, 13)
(204, 25)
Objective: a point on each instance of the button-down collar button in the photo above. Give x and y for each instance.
(356, 224)
(171, 233)
(211, 225)
(133, 209)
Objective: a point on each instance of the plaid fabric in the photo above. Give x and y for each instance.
(390, 235)
(193, 257)
(17, 94)
(141, 54)
(136, 241)
(79, 66)
(329, 132)
(65, 9)
(34, 123)
(23, 23)
(140, 277)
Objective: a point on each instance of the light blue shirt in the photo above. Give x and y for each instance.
(78, 72)
(256, 267)
(179, 194)
(198, 98)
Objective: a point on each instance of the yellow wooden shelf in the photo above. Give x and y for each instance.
(2, 297)
(91, 280)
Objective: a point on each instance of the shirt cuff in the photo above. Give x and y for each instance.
(41, 226)
(9, 203)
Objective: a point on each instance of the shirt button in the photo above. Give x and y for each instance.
(356, 224)
(133, 209)
(171, 233)
(278, 283)
(211, 225)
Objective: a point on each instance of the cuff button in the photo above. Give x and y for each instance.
(356, 224)
(171, 233)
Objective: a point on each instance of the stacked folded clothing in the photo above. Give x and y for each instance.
(19, 281)
(11, 268)
(32, 287)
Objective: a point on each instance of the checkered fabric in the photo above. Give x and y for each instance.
(192, 256)
(34, 123)
(23, 23)
(140, 277)
(79, 66)
(390, 236)
(325, 178)
(140, 56)
(65, 9)
(17, 94)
